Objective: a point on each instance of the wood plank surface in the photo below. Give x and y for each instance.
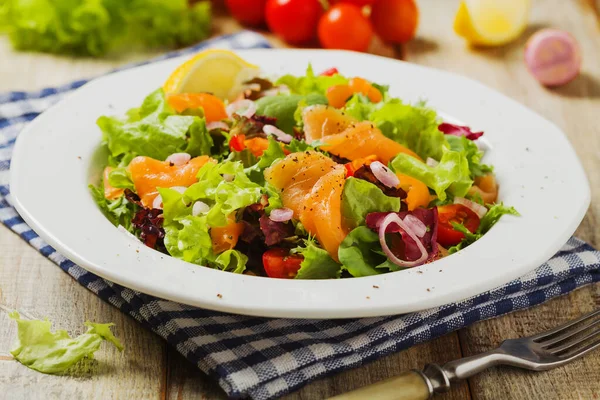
(151, 369)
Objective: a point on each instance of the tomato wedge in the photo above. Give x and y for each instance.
(279, 263)
(330, 72)
(236, 143)
(447, 235)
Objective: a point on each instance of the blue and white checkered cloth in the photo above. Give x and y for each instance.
(265, 358)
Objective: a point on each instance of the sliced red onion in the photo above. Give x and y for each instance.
(245, 108)
(157, 203)
(471, 205)
(393, 218)
(416, 225)
(281, 214)
(384, 175)
(228, 177)
(278, 133)
(200, 207)
(179, 158)
(431, 162)
(217, 125)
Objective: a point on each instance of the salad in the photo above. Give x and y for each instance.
(308, 177)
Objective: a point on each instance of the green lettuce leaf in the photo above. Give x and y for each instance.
(452, 174)
(413, 126)
(189, 239)
(175, 207)
(472, 153)
(317, 263)
(283, 107)
(120, 178)
(232, 261)
(493, 215)
(360, 198)
(118, 211)
(311, 83)
(359, 107)
(360, 253)
(155, 131)
(273, 153)
(95, 27)
(223, 196)
(52, 353)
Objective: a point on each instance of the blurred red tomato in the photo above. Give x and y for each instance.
(294, 20)
(345, 27)
(360, 3)
(395, 21)
(250, 12)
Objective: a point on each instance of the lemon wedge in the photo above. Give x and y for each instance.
(491, 22)
(220, 72)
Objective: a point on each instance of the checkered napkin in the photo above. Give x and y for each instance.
(265, 358)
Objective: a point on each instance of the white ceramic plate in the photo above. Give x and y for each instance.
(56, 157)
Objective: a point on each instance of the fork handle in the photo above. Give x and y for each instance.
(411, 385)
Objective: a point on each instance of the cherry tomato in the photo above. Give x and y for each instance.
(330, 72)
(250, 12)
(395, 21)
(294, 20)
(236, 143)
(279, 263)
(360, 3)
(345, 27)
(447, 235)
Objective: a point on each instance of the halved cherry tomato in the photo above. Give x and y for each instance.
(213, 107)
(447, 235)
(279, 263)
(330, 72)
(338, 95)
(226, 237)
(236, 143)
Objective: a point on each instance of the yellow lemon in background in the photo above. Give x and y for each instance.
(491, 22)
(220, 72)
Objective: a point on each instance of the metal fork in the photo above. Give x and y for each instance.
(540, 352)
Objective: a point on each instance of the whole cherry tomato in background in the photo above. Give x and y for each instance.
(294, 20)
(395, 21)
(345, 27)
(360, 3)
(249, 12)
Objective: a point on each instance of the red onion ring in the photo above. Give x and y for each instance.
(416, 225)
(217, 125)
(200, 207)
(247, 108)
(179, 189)
(393, 218)
(278, 133)
(281, 214)
(157, 203)
(471, 205)
(228, 177)
(179, 158)
(384, 175)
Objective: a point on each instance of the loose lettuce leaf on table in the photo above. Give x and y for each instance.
(360, 198)
(452, 174)
(42, 350)
(93, 28)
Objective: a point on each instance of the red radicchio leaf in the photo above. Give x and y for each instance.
(459, 130)
(149, 222)
(275, 232)
(408, 247)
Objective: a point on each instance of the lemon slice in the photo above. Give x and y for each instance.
(491, 22)
(219, 72)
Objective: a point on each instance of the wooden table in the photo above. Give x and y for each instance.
(150, 369)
